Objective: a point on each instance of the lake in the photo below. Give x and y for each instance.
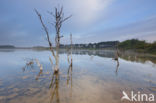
(94, 77)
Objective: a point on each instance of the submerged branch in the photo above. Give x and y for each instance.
(39, 74)
(38, 64)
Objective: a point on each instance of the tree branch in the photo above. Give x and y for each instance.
(47, 33)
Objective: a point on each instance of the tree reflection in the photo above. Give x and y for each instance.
(117, 67)
(55, 79)
(54, 87)
(69, 78)
(29, 63)
(116, 58)
(128, 56)
(39, 74)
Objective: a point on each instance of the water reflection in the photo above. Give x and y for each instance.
(142, 58)
(90, 79)
(54, 88)
(29, 63)
(55, 80)
(129, 56)
(69, 78)
(101, 53)
(39, 74)
(7, 50)
(117, 67)
(69, 75)
(54, 85)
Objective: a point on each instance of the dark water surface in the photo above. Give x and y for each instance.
(94, 77)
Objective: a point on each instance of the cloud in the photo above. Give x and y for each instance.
(92, 20)
(86, 11)
(144, 30)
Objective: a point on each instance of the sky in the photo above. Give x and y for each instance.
(92, 21)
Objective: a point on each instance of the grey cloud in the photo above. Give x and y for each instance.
(142, 30)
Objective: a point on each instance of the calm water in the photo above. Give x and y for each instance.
(94, 77)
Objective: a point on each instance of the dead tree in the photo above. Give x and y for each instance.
(59, 19)
(117, 58)
(71, 43)
(116, 53)
(69, 73)
(69, 52)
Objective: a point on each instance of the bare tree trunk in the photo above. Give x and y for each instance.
(59, 19)
(71, 49)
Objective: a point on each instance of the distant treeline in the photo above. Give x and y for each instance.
(138, 45)
(133, 44)
(100, 45)
(7, 46)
